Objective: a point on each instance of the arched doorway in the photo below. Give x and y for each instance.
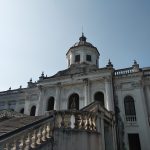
(32, 112)
(99, 96)
(73, 103)
(22, 111)
(50, 104)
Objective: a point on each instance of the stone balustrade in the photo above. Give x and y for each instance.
(146, 73)
(131, 119)
(76, 120)
(125, 71)
(29, 138)
(33, 135)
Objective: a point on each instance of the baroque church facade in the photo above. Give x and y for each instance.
(114, 105)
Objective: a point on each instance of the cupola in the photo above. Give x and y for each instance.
(83, 52)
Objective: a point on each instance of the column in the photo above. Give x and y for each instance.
(40, 102)
(109, 95)
(57, 99)
(27, 105)
(114, 136)
(86, 92)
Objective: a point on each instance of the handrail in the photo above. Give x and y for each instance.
(6, 135)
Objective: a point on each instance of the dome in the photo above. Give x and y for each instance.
(82, 42)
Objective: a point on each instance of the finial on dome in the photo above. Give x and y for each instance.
(135, 62)
(82, 38)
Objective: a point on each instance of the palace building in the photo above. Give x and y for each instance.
(85, 107)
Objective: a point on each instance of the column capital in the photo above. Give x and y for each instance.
(86, 80)
(40, 87)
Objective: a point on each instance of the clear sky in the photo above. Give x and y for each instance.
(36, 34)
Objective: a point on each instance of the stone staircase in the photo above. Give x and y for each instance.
(35, 134)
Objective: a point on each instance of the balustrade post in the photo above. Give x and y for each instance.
(48, 131)
(44, 133)
(22, 143)
(88, 122)
(27, 142)
(14, 145)
(67, 121)
(39, 137)
(58, 121)
(33, 139)
(77, 121)
(62, 122)
(6, 147)
(84, 121)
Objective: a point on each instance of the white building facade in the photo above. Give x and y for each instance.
(125, 93)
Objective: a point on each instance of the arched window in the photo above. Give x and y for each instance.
(73, 103)
(129, 106)
(50, 104)
(32, 112)
(99, 96)
(22, 111)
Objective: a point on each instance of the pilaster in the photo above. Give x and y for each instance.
(109, 95)
(40, 102)
(57, 100)
(86, 92)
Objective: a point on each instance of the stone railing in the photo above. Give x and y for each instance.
(125, 71)
(80, 120)
(146, 73)
(131, 119)
(28, 137)
(33, 135)
(11, 92)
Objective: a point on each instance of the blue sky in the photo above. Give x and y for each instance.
(36, 34)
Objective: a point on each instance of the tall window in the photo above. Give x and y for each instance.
(88, 58)
(99, 96)
(50, 104)
(129, 106)
(73, 103)
(32, 112)
(77, 58)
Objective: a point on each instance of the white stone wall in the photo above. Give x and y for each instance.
(133, 87)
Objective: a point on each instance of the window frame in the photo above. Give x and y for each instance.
(77, 58)
(88, 58)
(129, 106)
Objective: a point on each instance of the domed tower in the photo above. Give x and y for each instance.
(83, 52)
